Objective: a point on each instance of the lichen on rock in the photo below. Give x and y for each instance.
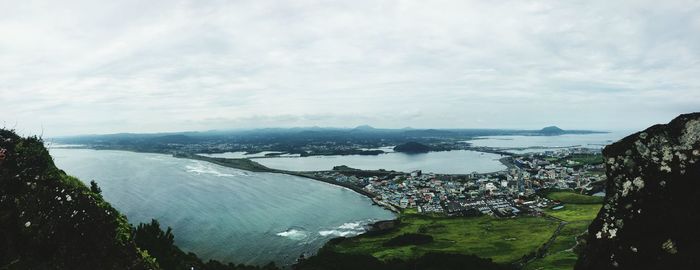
(653, 189)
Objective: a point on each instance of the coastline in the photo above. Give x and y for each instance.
(508, 162)
(253, 166)
(250, 165)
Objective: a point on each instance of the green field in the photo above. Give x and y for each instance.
(578, 217)
(503, 240)
(575, 198)
(575, 212)
(563, 260)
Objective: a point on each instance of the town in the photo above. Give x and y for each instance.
(503, 194)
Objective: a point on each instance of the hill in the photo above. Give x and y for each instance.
(412, 148)
(552, 130)
(364, 127)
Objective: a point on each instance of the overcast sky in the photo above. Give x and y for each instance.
(79, 67)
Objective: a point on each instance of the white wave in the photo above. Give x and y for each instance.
(351, 226)
(59, 145)
(338, 233)
(293, 234)
(347, 229)
(201, 168)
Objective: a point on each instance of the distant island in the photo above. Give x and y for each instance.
(552, 130)
(412, 148)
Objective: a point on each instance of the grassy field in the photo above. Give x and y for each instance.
(578, 216)
(574, 198)
(503, 240)
(563, 260)
(575, 212)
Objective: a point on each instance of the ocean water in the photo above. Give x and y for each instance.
(245, 155)
(544, 143)
(448, 162)
(223, 213)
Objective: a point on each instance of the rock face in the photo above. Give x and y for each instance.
(49, 220)
(650, 218)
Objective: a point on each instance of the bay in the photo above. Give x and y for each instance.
(446, 162)
(224, 213)
(527, 144)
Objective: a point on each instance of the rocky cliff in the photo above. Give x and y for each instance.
(652, 204)
(49, 220)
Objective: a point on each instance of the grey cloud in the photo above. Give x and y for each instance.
(133, 66)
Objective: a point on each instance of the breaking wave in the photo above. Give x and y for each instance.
(347, 229)
(294, 234)
(351, 226)
(202, 168)
(338, 233)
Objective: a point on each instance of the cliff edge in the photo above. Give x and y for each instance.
(49, 220)
(652, 205)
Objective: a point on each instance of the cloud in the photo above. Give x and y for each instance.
(128, 66)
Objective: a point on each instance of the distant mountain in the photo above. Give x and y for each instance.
(293, 137)
(176, 138)
(552, 130)
(364, 127)
(429, 133)
(412, 148)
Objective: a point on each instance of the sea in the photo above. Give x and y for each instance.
(223, 213)
(247, 217)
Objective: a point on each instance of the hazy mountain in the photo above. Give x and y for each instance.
(552, 130)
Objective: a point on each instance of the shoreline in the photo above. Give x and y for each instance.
(248, 164)
(378, 225)
(252, 166)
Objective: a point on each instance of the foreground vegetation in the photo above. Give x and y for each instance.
(502, 240)
(573, 198)
(161, 245)
(50, 220)
(578, 212)
(331, 260)
(54, 221)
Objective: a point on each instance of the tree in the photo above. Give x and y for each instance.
(94, 188)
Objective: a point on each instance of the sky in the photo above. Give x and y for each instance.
(94, 67)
